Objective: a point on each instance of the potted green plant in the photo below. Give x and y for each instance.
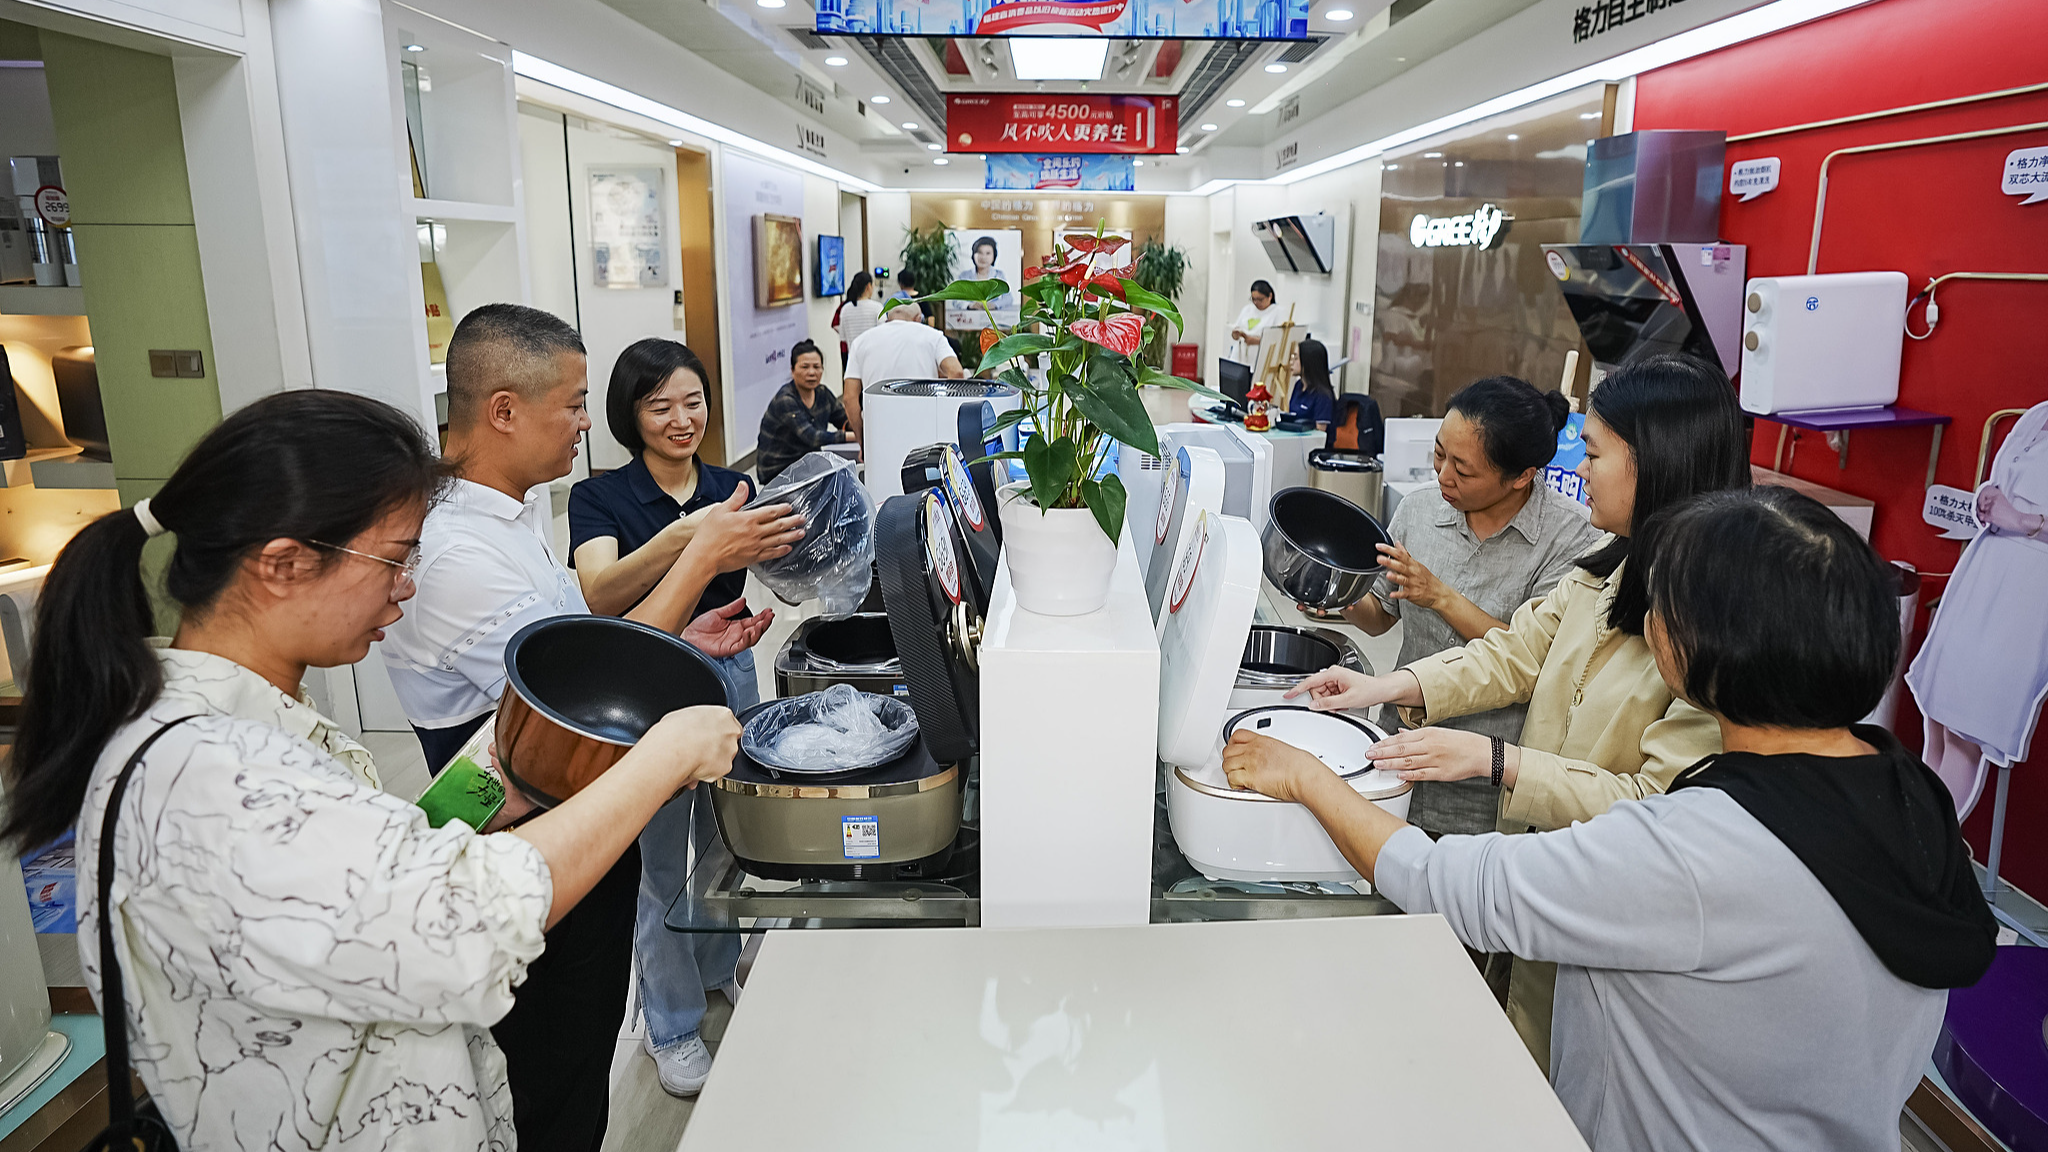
(930, 256)
(1160, 268)
(1061, 525)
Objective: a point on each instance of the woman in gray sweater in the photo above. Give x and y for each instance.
(1759, 958)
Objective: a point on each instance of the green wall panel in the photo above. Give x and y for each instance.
(117, 120)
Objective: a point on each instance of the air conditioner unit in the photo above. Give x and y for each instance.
(1299, 243)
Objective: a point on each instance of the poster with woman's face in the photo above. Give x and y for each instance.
(995, 255)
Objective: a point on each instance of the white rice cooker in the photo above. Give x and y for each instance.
(1225, 833)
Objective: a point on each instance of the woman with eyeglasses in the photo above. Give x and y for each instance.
(305, 961)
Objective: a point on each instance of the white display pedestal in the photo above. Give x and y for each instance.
(1069, 724)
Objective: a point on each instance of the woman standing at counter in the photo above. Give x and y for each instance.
(1491, 538)
(1759, 959)
(1602, 724)
(305, 962)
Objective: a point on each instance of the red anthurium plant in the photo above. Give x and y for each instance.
(1082, 329)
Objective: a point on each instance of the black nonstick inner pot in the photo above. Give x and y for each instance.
(607, 677)
(1330, 528)
(859, 639)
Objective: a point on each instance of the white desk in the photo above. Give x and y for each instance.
(1302, 1035)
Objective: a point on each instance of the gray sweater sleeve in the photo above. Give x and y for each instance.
(1612, 892)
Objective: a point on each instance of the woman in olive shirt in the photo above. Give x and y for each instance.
(1602, 724)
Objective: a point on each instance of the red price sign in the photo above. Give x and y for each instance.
(1017, 122)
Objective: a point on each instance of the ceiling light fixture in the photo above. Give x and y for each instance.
(1058, 57)
(1276, 69)
(675, 143)
(1182, 149)
(1432, 155)
(910, 125)
(1589, 115)
(934, 147)
(879, 100)
(941, 161)
(415, 47)
(1338, 14)
(835, 61)
(1208, 127)
(770, 3)
(1234, 103)
(1514, 136)
(1137, 163)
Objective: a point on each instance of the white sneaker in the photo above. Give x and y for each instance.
(683, 1066)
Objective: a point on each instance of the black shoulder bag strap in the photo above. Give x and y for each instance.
(126, 1128)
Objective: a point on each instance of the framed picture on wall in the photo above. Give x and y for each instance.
(628, 231)
(831, 265)
(778, 260)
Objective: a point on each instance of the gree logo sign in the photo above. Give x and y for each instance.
(1485, 228)
(810, 140)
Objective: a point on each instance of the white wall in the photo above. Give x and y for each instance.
(551, 252)
(1187, 224)
(888, 216)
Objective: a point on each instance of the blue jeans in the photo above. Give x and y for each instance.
(675, 968)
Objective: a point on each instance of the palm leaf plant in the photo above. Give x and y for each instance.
(1092, 327)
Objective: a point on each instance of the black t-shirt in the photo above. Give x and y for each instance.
(627, 505)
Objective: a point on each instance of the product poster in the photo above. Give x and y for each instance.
(1064, 124)
(1026, 172)
(628, 233)
(831, 265)
(987, 255)
(1183, 19)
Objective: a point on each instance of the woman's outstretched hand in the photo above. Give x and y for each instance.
(724, 632)
(1441, 754)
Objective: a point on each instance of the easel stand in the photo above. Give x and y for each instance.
(1274, 376)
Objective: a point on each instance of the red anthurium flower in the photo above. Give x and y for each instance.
(1082, 242)
(1107, 284)
(1073, 274)
(989, 336)
(1033, 273)
(1109, 245)
(1122, 333)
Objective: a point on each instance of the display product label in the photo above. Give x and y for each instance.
(2026, 174)
(53, 206)
(938, 545)
(1749, 179)
(1067, 123)
(1190, 563)
(1169, 483)
(1953, 510)
(960, 490)
(861, 837)
(1558, 267)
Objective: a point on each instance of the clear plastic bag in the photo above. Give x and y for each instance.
(832, 563)
(837, 730)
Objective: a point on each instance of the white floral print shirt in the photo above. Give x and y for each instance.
(307, 964)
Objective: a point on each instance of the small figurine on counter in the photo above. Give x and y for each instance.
(1257, 417)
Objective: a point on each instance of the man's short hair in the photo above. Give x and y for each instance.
(504, 348)
(1778, 614)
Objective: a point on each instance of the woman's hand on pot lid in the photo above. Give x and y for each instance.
(1337, 689)
(1257, 763)
(724, 632)
(1439, 754)
(691, 745)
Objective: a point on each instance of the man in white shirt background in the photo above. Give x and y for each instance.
(517, 383)
(907, 349)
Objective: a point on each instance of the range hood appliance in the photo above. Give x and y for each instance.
(1299, 243)
(1648, 274)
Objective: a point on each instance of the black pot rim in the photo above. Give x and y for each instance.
(517, 682)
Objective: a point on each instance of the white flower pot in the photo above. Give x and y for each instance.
(1060, 562)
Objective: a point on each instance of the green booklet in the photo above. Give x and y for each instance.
(467, 789)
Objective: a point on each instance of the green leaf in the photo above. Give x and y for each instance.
(1138, 296)
(1015, 377)
(1010, 419)
(976, 290)
(997, 456)
(1110, 401)
(1157, 379)
(1011, 347)
(1051, 467)
(1107, 501)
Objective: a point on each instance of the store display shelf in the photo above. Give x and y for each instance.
(1837, 423)
(35, 300)
(448, 211)
(21, 473)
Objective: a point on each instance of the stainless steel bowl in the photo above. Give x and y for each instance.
(1280, 656)
(1320, 549)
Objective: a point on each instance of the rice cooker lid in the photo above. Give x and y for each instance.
(1340, 740)
(941, 468)
(1190, 486)
(932, 618)
(1212, 593)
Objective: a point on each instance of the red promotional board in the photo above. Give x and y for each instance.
(1024, 122)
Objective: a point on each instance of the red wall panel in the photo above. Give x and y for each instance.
(1923, 211)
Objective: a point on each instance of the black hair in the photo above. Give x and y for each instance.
(1677, 415)
(1517, 425)
(504, 346)
(907, 280)
(312, 465)
(858, 286)
(1778, 614)
(976, 246)
(803, 346)
(1315, 367)
(1264, 289)
(641, 369)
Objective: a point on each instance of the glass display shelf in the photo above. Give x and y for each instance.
(722, 897)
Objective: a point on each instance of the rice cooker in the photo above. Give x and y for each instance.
(1227, 834)
(827, 650)
(943, 469)
(897, 820)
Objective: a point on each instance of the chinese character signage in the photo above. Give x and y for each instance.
(1181, 19)
(1589, 20)
(1063, 124)
(1026, 172)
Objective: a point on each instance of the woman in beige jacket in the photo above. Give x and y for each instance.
(1602, 724)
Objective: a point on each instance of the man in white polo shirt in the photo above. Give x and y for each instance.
(517, 380)
(908, 350)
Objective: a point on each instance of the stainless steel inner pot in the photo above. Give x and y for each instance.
(1319, 548)
(1279, 656)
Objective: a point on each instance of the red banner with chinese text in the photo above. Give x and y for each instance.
(1028, 122)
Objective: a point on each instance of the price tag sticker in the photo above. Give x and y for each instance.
(861, 837)
(960, 489)
(938, 545)
(1190, 563)
(1169, 482)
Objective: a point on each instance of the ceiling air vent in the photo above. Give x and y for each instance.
(809, 39)
(1302, 50)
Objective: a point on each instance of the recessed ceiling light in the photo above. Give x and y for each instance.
(769, 3)
(835, 61)
(1234, 103)
(415, 47)
(1459, 164)
(1514, 136)
(1137, 163)
(910, 125)
(1400, 59)
(1182, 149)
(879, 100)
(940, 160)
(1276, 68)
(1058, 57)
(675, 143)
(1391, 167)
(1432, 155)
(1208, 127)
(935, 147)
(1339, 14)
(1589, 115)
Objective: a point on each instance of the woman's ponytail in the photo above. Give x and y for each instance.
(92, 672)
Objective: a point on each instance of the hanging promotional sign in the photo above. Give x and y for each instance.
(1022, 171)
(1069, 124)
(1176, 19)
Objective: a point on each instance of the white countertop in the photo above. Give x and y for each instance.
(1368, 1032)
